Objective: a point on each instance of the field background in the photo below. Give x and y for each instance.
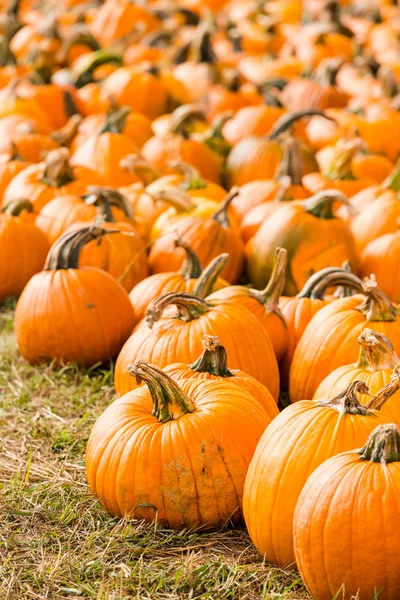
(55, 539)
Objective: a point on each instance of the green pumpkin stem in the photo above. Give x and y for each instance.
(191, 268)
(189, 307)
(64, 254)
(7, 58)
(221, 216)
(209, 277)
(387, 391)
(377, 306)
(137, 165)
(169, 401)
(270, 295)
(392, 181)
(57, 170)
(289, 119)
(66, 134)
(183, 119)
(376, 352)
(316, 286)
(346, 402)
(291, 164)
(105, 198)
(115, 120)
(382, 445)
(15, 207)
(192, 177)
(213, 360)
(95, 60)
(320, 205)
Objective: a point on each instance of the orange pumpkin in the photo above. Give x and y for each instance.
(382, 257)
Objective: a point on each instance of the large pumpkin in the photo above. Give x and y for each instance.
(68, 313)
(176, 337)
(302, 437)
(382, 258)
(338, 326)
(312, 235)
(23, 248)
(205, 433)
(348, 514)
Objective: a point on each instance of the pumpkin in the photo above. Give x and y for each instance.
(376, 361)
(59, 214)
(49, 179)
(66, 313)
(366, 482)
(338, 326)
(10, 166)
(213, 426)
(312, 235)
(382, 257)
(298, 440)
(247, 344)
(25, 138)
(176, 144)
(23, 248)
(212, 366)
(190, 277)
(264, 304)
(300, 309)
(258, 157)
(208, 236)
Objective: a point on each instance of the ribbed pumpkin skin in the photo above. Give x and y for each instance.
(179, 371)
(23, 251)
(302, 437)
(173, 340)
(347, 527)
(298, 312)
(158, 285)
(272, 324)
(337, 326)
(382, 258)
(191, 469)
(80, 315)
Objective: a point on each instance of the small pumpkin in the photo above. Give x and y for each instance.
(366, 482)
(155, 339)
(382, 258)
(264, 305)
(312, 235)
(212, 366)
(213, 426)
(23, 248)
(67, 313)
(298, 440)
(190, 276)
(338, 326)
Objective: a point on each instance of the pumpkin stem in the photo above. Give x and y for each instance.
(184, 118)
(392, 181)
(177, 198)
(289, 119)
(291, 164)
(199, 49)
(169, 401)
(207, 280)
(57, 170)
(213, 360)
(192, 177)
(330, 277)
(136, 165)
(115, 120)
(191, 268)
(270, 295)
(387, 391)
(105, 198)
(189, 307)
(320, 205)
(377, 306)
(15, 207)
(215, 138)
(7, 58)
(376, 352)
(64, 254)
(340, 165)
(342, 290)
(221, 216)
(93, 61)
(80, 35)
(66, 134)
(382, 445)
(346, 402)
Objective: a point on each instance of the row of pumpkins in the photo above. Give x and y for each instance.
(203, 189)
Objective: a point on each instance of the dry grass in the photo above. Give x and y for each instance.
(57, 542)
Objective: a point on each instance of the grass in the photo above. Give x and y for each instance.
(55, 539)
